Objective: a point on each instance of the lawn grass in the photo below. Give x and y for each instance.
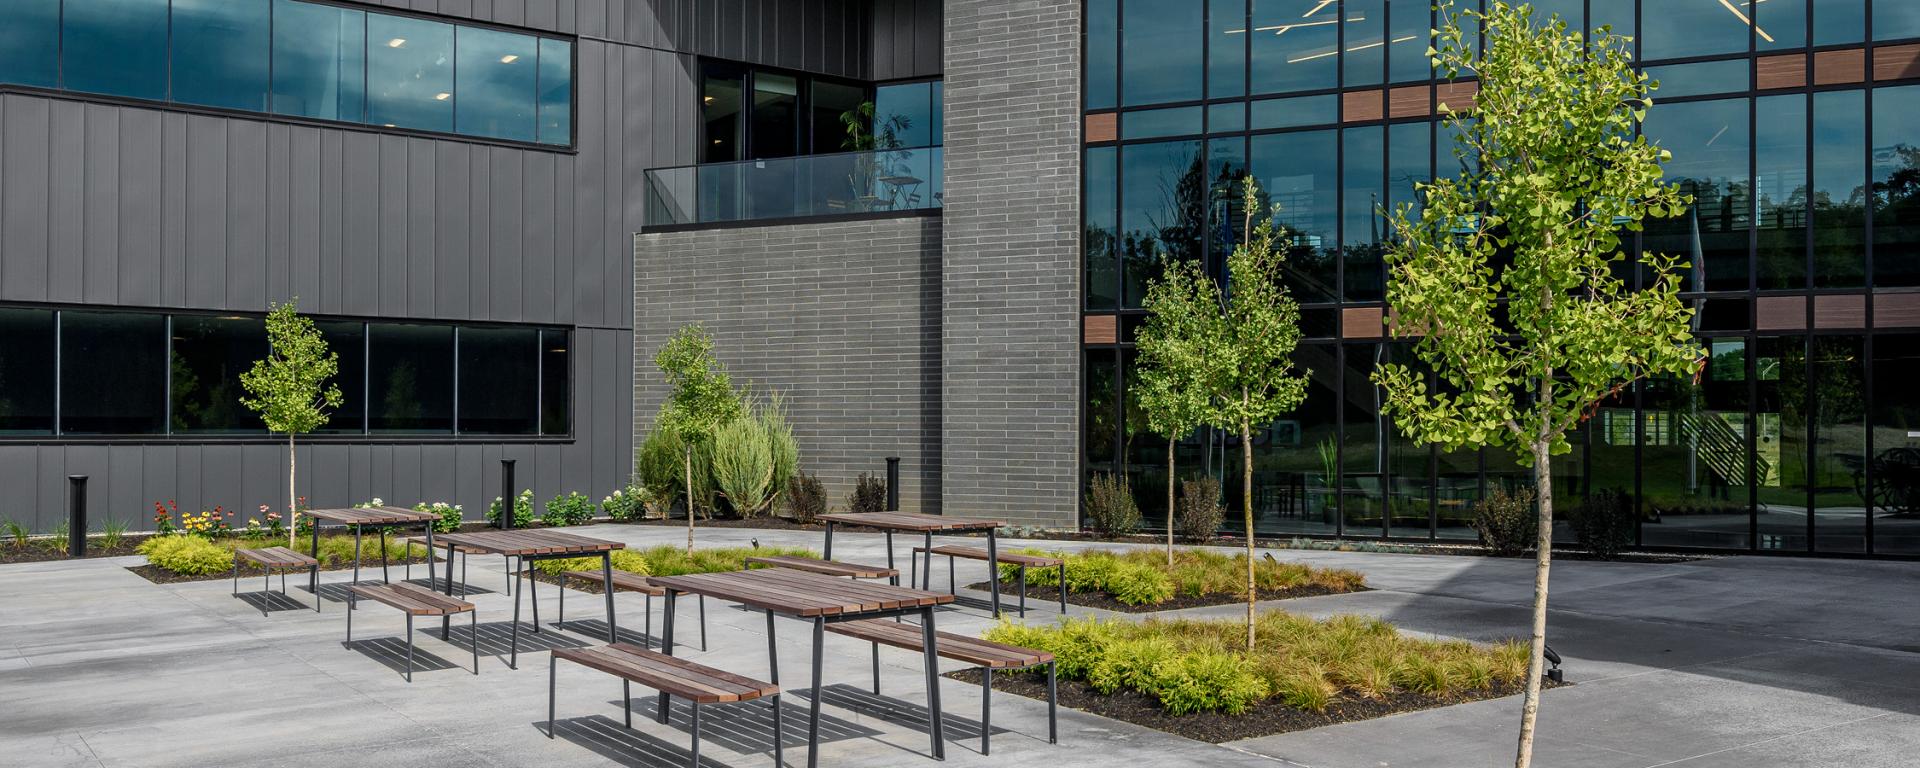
(1142, 578)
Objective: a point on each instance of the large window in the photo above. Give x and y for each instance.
(132, 374)
(755, 114)
(292, 57)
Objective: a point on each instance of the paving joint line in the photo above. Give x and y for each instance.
(1771, 740)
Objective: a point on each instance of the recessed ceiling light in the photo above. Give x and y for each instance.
(510, 58)
(396, 42)
(442, 96)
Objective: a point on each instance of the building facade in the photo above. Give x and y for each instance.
(928, 224)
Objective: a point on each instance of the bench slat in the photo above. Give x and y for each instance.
(625, 581)
(828, 567)
(1007, 558)
(680, 677)
(411, 598)
(971, 650)
(276, 557)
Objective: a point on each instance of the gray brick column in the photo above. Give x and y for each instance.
(1010, 429)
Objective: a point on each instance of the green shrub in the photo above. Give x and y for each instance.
(522, 510)
(806, 498)
(1142, 577)
(187, 555)
(663, 471)
(573, 508)
(1507, 522)
(451, 515)
(629, 503)
(1606, 524)
(1110, 506)
(623, 560)
(1207, 682)
(743, 465)
(1200, 512)
(1131, 663)
(869, 494)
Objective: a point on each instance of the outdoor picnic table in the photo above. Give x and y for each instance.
(532, 546)
(913, 522)
(359, 517)
(822, 600)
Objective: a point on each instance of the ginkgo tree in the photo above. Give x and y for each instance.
(701, 401)
(1509, 278)
(1169, 383)
(289, 388)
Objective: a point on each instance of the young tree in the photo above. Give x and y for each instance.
(1170, 383)
(702, 399)
(1508, 278)
(289, 388)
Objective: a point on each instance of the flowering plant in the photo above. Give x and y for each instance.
(451, 515)
(208, 522)
(629, 503)
(163, 517)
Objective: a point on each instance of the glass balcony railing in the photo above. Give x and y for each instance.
(876, 181)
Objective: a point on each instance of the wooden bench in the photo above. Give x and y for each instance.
(985, 654)
(697, 683)
(275, 559)
(826, 567)
(414, 601)
(625, 581)
(1005, 558)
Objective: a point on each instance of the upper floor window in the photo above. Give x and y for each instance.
(304, 59)
(755, 114)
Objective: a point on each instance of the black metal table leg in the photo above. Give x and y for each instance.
(532, 585)
(409, 647)
(1063, 585)
(1023, 591)
(926, 574)
(993, 565)
(928, 641)
(813, 708)
(386, 577)
(695, 762)
(773, 676)
(513, 645)
(356, 554)
(474, 637)
(606, 576)
(895, 580)
(266, 587)
(827, 550)
(666, 647)
(1053, 699)
(986, 711)
(553, 663)
(430, 577)
(313, 581)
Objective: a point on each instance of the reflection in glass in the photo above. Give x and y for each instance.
(1226, 48)
(1409, 163)
(209, 354)
(1780, 433)
(1695, 463)
(1614, 14)
(1103, 53)
(1702, 78)
(1695, 28)
(1411, 34)
(720, 110)
(1457, 493)
(1780, 157)
(1366, 53)
(1896, 186)
(349, 341)
(111, 47)
(1155, 123)
(556, 91)
(1783, 22)
(556, 377)
(26, 371)
(319, 61)
(1896, 444)
(499, 381)
(1102, 237)
(831, 104)
(1227, 118)
(1294, 459)
(1226, 201)
(1159, 59)
(1570, 11)
(1102, 408)
(409, 73)
(1363, 443)
(411, 387)
(1163, 204)
(1839, 189)
(30, 42)
(113, 373)
(1363, 238)
(1840, 443)
(494, 76)
(220, 52)
(1894, 20)
(1294, 45)
(907, 113)
(1612, 431)
(1296, 112)
(1839, 21)
(1299, 173)
(774, 117)
(1709, 143)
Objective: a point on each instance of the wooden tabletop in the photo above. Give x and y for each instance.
(912, 521)
(528, 542)
(373, 515)
(800, 594)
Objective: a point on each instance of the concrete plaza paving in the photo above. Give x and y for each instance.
(1736, 661)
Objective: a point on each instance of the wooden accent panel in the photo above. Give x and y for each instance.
(1361, 323)
(1896, 310)
(1102, 126)
(1101, 329)
(1458, 96)
(1787, 71)
(1362, 106)
(1896, 62)
(1782, 313)
(1410, 101)
(1840, 67)
(1840, 312)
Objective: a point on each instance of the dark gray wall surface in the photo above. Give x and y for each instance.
(906, 39)
(842, 318)
(1011, 298)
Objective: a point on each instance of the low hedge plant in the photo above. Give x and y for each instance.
(187, 555)
(1142, 577)
(673, 561)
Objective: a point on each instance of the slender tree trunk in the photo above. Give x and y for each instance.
(1246, 508)
(293, 497)
(1543, 557)
(689, 463)
(1170, 500)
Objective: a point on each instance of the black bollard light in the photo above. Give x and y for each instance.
(893, 483)
(507, 498)
(77, 517)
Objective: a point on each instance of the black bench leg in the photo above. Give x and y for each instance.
(1063, 586)
(986, 710)
(266, 587)
(773, 676)
(646, 641)
(935, 728)
(626, 701)
(876, 669)
(409, 647)
(463, 573)
(703, 623)
(356, 554)
(314, 577)
(663, 705)
(813, 699)
(926, 575)
(951, 589)
(513, 654)
(1023, 591)
(384, 575)
(1053, 699)
(695, 762)
(236, 577)
(349, 642)
(474, 638)
(532, 585)
(553, 662)
(561, 623)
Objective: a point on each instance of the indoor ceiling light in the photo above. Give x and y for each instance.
(510, 58)
(442, 96)
(396, 42)
(1744, 19)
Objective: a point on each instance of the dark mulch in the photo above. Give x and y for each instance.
(1264, 719)
(767, 523)
(45, 550)
(1106, 601)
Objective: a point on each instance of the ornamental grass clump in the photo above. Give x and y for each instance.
(187, 555)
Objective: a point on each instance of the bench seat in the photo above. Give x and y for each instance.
(974, 651)
(414, 600)
(276, 557)
(697, 683)
(827, 567)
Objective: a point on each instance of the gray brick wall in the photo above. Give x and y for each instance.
(1010, 307)
(843, 318)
